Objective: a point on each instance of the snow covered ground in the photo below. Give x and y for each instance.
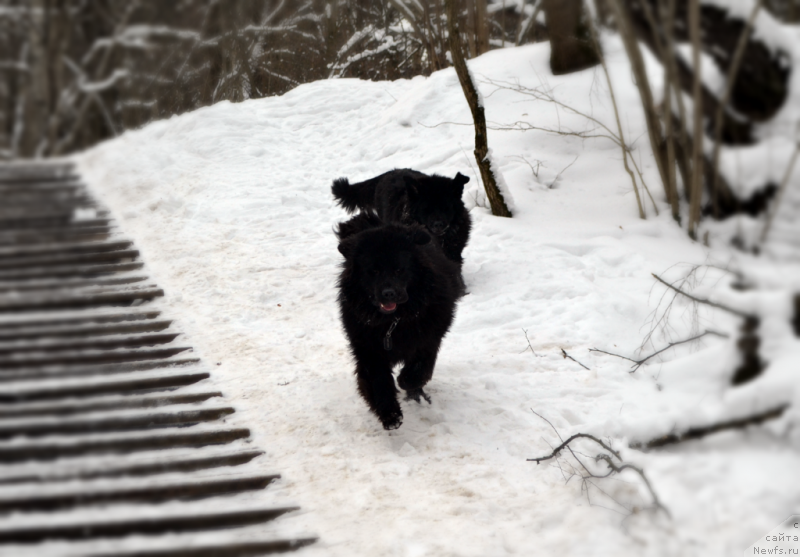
(231, 208)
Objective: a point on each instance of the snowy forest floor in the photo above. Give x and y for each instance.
(232, 210)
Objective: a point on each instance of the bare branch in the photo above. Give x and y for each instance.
(700, 432)
(566, 443)
(638, 363)
(529, 344)
(552, 183)
(615, 355)
(617, 137)
(736, 312)
(565, 355)
(599, 53)
(534, 171)
(613, 460)
(526, 126)
(619, 468)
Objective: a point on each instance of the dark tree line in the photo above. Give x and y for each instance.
(74, 72)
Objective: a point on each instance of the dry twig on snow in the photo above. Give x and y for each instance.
(611, 458)
(565, 355)
(529, 344)
(638, 363)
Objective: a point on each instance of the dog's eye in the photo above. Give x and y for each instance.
(375, 272)
(398, 272)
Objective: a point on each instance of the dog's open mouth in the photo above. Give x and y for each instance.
(388, 307)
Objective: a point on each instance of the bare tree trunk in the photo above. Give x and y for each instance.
(571, 47)
(723, 103)
(472, 28)
(677, 136)
(58, 44)
(669, 78)
(37, 101)
(697, 131)
(496, 200)
(623, 145)
(643, 84)
(663, 45)
(482, 27)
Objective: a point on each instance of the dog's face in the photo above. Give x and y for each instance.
(434, 201)
(384, 265)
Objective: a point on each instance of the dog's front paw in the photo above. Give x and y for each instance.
(417, 394)
(392, 421)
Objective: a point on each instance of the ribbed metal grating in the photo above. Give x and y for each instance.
(111, 440)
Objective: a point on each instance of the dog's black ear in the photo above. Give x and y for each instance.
(347, 247)
(459, 182)
(420, 237)
(359, 223)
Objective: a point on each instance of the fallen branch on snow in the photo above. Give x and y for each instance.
(529, 344)
(700, 432)
(612, 459)
(565, 355)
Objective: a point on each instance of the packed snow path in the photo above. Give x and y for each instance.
(231, 207)
(112, 439)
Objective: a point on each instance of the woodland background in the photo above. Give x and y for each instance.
(75, 72)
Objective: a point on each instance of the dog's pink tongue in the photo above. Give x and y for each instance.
(389, 306)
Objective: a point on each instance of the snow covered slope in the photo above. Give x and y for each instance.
(231, 207)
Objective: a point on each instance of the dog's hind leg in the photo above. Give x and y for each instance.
(416, 373)
(376, 386)
(417, 395)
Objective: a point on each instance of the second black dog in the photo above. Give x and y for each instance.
(410, 197)
(397, 297)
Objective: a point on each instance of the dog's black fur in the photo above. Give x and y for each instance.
(397, 297)
(409, 197)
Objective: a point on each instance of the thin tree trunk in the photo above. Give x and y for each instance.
(61, 30)
(472, 29)
(36, 97)
(664, 47)
(733, 73)
(481, 23)
(623, 145)
(643, 84)
(678, 141)
(496, 200)
(697, 131)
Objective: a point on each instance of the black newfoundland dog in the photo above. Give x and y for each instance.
(409, 197)
(397, 297)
